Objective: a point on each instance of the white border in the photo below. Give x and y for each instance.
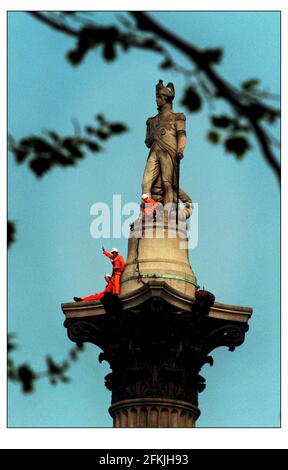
(141, 438)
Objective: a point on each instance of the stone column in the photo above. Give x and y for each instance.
(156, 343)
(153, 413)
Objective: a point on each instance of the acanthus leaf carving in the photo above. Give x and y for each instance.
(156, 351)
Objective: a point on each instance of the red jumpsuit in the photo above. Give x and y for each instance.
(108, 288)
(150, 207)
(118, 268)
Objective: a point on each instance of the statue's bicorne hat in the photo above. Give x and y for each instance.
(167, 90)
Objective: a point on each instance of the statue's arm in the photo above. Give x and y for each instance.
(181, 132)
(148, 140)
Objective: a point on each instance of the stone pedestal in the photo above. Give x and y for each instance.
(159, 251)
(158, 333)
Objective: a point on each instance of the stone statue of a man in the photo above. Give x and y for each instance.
(166, 138)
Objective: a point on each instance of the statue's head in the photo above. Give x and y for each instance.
(167, 91)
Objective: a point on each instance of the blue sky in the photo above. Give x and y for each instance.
(55, 258)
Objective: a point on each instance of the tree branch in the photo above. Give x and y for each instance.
(61, 27)
(241, 104)
(263, 141)
(247, 106)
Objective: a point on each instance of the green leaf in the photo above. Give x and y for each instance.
(43, 154)
(166, 64)
(74, 57)
(270, 117)
(103, 135)
(10, 345)
(20, 154)
(38, 144)
(65, 365)
(53, 368)
(101, 119)
(222, 121)
(117, 127)
(62, 160)
(65, 379)
(213, 137)
(40, 166)
(191, 99)
(124, 21)
(27, 377)
(109, 51)
(250, 85)
(54, 136)
(73, 355)
(91, 130)
(212, 55)
(11, 233)
(12, 372)
(93, 146)
(71, 144)
(238, 145)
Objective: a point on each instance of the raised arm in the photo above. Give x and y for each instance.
(106, 253)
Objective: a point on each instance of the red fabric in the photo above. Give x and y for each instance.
(108, 288)
(118, 268)
(118, 262)
(151, 201)
(150, 206)
(116, 283)
(201, 293)
(106, 253)
(92, 297)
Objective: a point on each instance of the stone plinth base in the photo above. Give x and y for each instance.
(159, 252)
(153, 413)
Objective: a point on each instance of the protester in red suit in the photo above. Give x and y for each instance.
(100, 295)
(151, 207)
(118, 268)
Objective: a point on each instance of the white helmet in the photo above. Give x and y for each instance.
(144, 196)
(114, 250)
(108, 275)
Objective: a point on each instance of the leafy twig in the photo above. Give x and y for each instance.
(26, 376)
